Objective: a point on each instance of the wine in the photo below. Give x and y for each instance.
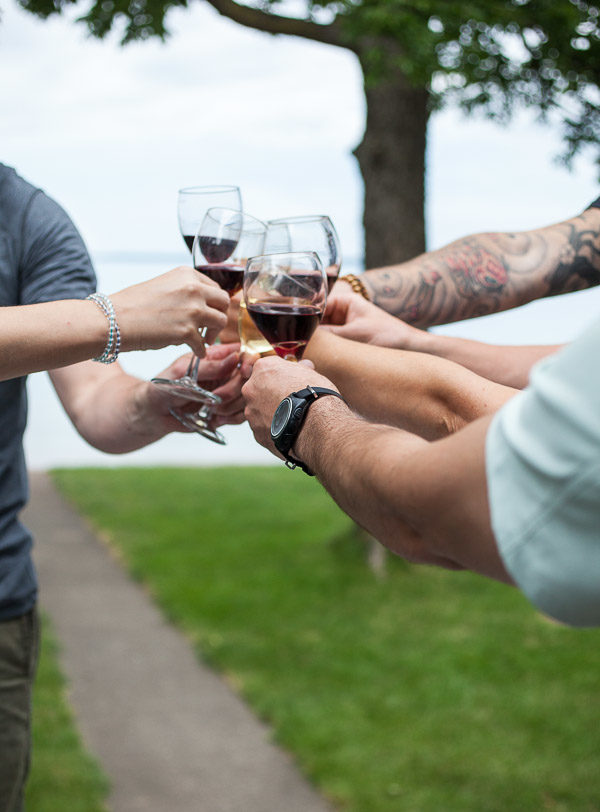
(251, 340)
(214, 249)
(332, 273)
(189, 241)
(228, 277)
(287, 327)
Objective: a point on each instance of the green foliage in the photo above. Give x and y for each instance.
(428, 690)
(489, 55)
(494, 56)
(63, 776)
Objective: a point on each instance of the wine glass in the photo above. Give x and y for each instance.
(225, 240)
(192, 204)
(285, 295)
(252, 341)
(313, 232)
(194, 201)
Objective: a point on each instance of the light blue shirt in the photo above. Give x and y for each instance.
(543, 474)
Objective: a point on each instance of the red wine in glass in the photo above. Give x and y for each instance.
(287, 327)
(215, 249)
(228, 277)
(331, 280)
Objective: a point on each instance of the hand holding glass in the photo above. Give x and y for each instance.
(225, 240)
(192, 205)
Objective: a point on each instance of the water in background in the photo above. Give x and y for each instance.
(51, 440)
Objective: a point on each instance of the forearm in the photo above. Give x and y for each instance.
(425, 501)
(426, 395)
(110, 410)
(49, 335)
(504, 364)
(486, 273)
(356, 462)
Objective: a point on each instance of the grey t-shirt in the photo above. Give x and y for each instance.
(42, 258)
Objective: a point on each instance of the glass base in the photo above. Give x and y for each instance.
(186, 388)
(197, 423)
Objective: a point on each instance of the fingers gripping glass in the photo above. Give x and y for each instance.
(225, 241)
(193, 203)
(285, 295)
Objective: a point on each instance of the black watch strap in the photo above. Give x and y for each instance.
(316, 392)
(309, 395)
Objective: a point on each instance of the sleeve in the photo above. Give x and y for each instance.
(543, 477)
(54, 261)
(595, 204)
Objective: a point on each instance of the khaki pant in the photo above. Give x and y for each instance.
(19, 645)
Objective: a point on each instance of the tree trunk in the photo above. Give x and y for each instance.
(391, 157)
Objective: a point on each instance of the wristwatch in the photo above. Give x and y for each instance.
(289, 417)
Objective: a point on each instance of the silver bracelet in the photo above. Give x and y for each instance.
(113, 343)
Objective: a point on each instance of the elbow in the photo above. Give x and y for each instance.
(443, 420)
(415, 547)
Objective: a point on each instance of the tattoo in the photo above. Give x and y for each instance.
(579, 263)
(477, 272)
(468, 273)
(486, 273)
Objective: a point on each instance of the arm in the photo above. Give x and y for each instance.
(426, 501)
(167, 310)
(429, 396)
(117, 413)
(354, 318)
(486, 273)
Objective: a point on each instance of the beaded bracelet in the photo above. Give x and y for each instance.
(357, 285)
(113, 344)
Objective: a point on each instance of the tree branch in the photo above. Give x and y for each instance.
(275, 24)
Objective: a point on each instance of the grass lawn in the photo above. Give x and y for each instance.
(63, 776)
(428, 690)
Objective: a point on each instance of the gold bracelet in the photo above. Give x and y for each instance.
(357, 285)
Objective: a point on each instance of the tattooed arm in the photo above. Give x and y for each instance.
(486, 273)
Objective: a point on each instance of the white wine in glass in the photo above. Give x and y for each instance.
(252, 340)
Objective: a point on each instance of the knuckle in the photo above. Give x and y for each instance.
(191, 288)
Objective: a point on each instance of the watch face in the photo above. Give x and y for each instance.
(281, 416)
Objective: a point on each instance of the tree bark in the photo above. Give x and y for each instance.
(391, 157)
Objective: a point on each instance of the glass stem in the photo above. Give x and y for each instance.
(192, 370)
